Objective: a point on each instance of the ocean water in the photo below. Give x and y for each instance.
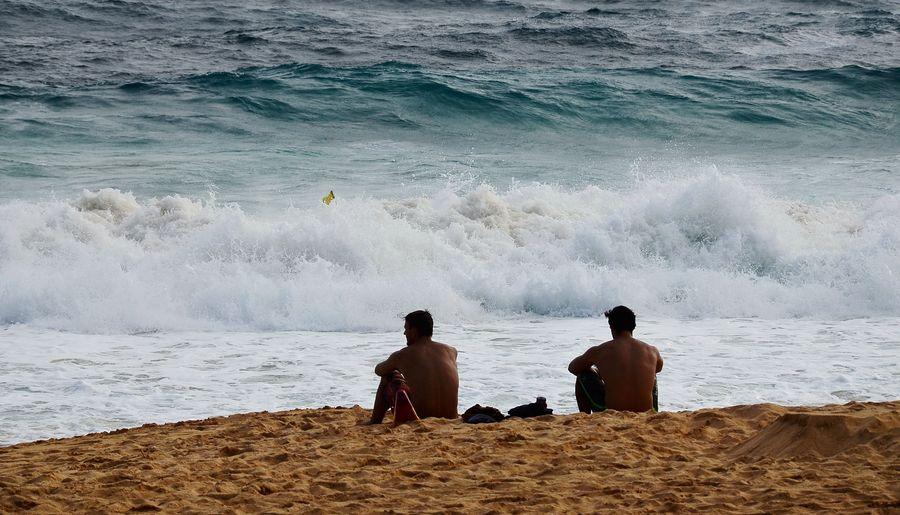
(728, 170)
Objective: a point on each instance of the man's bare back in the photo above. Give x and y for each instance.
(429, 368)
(627, 366)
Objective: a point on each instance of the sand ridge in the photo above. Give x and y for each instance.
(739, 459)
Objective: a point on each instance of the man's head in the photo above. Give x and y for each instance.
(418, 325)
(621, 319)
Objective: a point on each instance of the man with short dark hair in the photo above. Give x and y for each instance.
(619, 374)
(428, 368)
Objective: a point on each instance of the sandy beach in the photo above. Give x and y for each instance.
(739, 459)
(227, 229)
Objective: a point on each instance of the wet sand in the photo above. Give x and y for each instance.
(738, 459)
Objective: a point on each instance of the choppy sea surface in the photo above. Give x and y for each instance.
(727, 169)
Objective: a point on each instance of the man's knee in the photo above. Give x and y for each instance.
(590, 392)
(579, 392)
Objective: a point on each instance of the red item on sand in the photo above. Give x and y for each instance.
(403, 409)
(398, 399)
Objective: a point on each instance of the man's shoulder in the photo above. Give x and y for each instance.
(647, 349)
(400, 352)
(647, 345)
(444, 346)
(603, 346)
(598, 350)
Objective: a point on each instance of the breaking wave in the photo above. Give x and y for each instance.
(706, 246)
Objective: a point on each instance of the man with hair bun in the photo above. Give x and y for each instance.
(619, 374)
(426, 369)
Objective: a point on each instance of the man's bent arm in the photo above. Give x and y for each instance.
(581, 363)
(385, 367)
(659, 362)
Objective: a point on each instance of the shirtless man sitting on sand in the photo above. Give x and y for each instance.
(619, 374)
(429, 368)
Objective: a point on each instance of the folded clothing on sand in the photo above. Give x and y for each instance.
(479, 414)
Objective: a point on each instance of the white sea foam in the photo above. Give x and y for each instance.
(56, 384)
(702, 247)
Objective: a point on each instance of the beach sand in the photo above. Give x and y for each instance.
(739, 459)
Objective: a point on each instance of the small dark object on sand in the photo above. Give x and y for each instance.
(479, 414)
(534, 409)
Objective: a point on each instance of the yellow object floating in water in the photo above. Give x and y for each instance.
(328, 198)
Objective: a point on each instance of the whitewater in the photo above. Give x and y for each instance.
(729, 171)
(704, 247)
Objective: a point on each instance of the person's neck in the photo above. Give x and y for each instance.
(623, 335)
(422, 341)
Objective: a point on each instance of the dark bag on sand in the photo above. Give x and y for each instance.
(535, 409)
(479, 414)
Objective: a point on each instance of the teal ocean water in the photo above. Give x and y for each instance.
(728, 166)
(269, 103)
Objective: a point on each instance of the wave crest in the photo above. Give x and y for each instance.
(706, 246)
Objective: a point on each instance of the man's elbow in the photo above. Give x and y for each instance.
(573, 368)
